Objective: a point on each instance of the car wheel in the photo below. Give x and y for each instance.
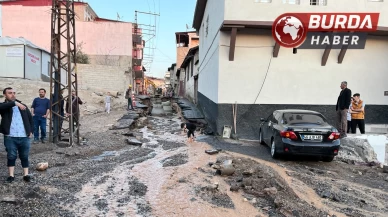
(274, 153)
(261, 138)
(328, 158)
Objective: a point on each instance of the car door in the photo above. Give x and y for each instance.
(268, 126)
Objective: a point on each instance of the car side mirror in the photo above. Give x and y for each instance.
(262, 119)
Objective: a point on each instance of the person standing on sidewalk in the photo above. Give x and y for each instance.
(107, 103)
(342, 108)
(40, 111)
(358, 114)
(17, 127)
(128, 95)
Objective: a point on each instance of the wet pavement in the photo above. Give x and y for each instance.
(167, 176)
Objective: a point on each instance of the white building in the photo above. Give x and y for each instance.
(167, 80)
(174, 79)
(239, 63)
(190, 66)
(19, 58)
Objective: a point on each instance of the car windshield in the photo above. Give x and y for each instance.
(303, 118)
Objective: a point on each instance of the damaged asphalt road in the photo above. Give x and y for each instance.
(166, 176)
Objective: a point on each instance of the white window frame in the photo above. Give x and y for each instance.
(291, 2)
(319, 2)
(263, 1)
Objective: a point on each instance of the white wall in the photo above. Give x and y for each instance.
(209, 49)
(45, 64)
(299, 78)
(250, 10)
(190, 89)
(33, 63)
(12, 61)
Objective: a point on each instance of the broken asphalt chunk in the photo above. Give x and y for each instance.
(133, 141)
(211, 152)
(128, 134)
(227, 168)
(11, 199)
(271, 190)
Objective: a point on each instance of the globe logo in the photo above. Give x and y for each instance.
(289, 31)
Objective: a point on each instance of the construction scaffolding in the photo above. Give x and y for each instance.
(63, 74)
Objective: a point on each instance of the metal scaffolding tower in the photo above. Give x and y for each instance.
(63, 73)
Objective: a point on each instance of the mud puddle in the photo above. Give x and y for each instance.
(177, 183)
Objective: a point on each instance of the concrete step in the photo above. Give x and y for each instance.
(167, 108)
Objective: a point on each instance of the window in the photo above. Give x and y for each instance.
(272, 119)
(303, 118)
(291, 2)
(192, 67)
(263, 1)
(318, 2)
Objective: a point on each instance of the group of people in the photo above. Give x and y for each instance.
(350, 111)
(19, 124)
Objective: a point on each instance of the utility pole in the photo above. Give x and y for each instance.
(63, 73)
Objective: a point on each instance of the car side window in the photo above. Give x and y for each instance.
(272, 119)
(277, 116)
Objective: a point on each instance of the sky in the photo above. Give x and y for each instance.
(174, 16)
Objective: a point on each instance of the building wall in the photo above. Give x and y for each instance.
(28, 22)
(111, 60)
(299, 76)
(209, 49)
(250, 10)
(260, 84)
(100, 77)
(12, 65)
(33, 63)
(190, 90)
(105, 38)
(115, 40)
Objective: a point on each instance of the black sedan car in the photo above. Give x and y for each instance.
(299, 132)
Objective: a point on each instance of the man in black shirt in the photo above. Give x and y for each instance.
(342, 107)
(190, 130)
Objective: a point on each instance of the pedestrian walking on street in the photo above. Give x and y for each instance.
(190, 130)
(76, 101)
(107, 103)
(40, 111)
(342, 108)
(17, 126)
(358, 114)
(128, 95)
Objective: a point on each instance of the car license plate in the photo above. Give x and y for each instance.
(312, 137)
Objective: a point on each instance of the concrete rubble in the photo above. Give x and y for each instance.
(364, 149)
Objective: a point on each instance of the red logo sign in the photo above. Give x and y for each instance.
(290, 29)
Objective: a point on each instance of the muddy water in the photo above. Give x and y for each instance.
(167, 195)
(170, 197)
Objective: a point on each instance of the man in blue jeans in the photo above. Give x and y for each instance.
(40, 110)
(17, 126)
